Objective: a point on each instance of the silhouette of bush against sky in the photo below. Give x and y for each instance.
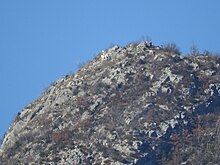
(194, 50)
(171, 48)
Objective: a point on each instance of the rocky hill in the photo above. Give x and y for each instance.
(135, 105)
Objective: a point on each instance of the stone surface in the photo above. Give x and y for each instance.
(134, 105)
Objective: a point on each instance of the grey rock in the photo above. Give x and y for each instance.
(130, 105)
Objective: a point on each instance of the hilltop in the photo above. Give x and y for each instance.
(134, 105)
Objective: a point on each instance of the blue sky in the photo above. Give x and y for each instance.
(43, 40)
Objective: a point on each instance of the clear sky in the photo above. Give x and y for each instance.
(43, 40)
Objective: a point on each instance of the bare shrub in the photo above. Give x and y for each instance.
(171, 48)
(194, 50)
(56, 137)
(146, 38)
(82, 102)
(81, 65)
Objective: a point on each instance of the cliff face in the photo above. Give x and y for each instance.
(139, 104)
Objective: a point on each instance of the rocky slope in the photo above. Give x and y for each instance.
(134, 105)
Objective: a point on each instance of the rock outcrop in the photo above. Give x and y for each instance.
(135, 105)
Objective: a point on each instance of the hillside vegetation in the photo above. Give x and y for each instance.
(134, 105)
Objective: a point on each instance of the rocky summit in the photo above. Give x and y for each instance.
(139, 104)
